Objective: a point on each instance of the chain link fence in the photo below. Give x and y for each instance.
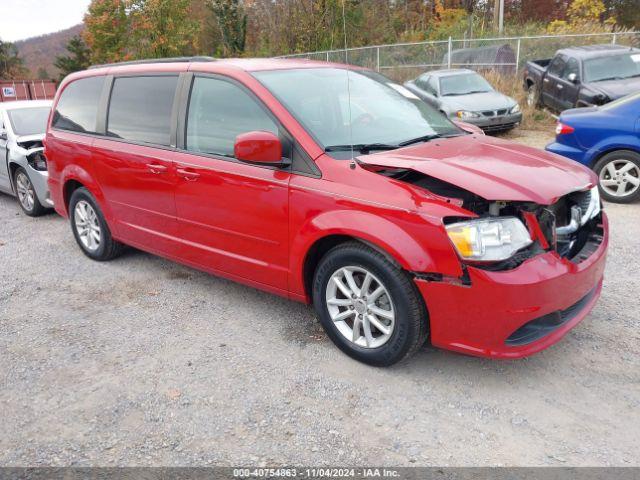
(506, 55)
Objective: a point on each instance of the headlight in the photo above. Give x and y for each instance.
(464, 114)
(38, 161)
(489, 239)
(515, 108)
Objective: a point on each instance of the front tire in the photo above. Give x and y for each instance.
(619, 176)
(27, 198)
(90, 228)
(368, 306)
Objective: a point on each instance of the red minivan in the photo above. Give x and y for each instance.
(331, 185)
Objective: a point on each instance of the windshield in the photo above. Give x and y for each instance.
(463, 84)
(29, 121)
(616, 67)
(380, 113)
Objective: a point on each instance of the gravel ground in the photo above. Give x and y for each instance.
(141, 361)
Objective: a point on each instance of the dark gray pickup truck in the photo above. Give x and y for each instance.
(583, 76)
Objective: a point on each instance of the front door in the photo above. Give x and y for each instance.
(232, 216)
(570, 85)
(134, 167)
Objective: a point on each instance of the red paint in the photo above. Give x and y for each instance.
(258, 147)
(256, 224)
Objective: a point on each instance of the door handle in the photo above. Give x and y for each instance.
(188, 174)
(560, 87)
(157, 168)
(546, 80)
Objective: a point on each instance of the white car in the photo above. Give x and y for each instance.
(23, 166)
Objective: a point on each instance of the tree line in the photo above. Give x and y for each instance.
(121, 30)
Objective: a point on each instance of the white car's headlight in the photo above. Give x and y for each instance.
(515, 108)
(464, 114)
(489, 239)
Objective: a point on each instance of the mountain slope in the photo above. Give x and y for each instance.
(41, 51)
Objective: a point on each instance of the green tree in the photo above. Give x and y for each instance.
(163, 28)
(106, 30)
(231, 20)
(10, 63)
(79, 58)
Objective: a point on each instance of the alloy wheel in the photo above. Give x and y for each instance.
(87, 226)
(360, 306)
(620, 178)
(26, 194)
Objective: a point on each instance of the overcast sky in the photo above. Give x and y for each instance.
(21, 19)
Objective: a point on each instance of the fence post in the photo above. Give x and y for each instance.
(449, 54)
(327, 55)
(377, 59)
(518, 56)
(613, 39)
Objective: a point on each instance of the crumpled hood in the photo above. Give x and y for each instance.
(477, 102)
(28, 141)
(492, 168)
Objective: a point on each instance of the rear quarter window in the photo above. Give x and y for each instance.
(77, 108)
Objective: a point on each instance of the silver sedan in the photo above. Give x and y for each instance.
(23, 166)
(465, 95)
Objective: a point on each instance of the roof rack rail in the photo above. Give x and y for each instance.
(156, 60)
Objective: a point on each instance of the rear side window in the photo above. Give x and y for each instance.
(77, 108)
(219, 111)
(140, 109)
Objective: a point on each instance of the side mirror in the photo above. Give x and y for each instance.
(572, 77)
(259, 147)
(3, 135)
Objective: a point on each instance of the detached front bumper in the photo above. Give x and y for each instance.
(547, 293)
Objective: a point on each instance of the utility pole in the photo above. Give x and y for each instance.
(498, 15)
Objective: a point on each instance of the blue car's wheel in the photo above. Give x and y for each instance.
(619, 176)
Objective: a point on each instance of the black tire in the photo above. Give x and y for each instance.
(36, 209)
(108, 248)
(618, 156)
(411, 318)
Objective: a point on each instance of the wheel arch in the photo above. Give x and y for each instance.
(326, 231)
(610, 148)
(323, 245)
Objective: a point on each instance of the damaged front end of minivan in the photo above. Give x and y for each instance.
(532, 258)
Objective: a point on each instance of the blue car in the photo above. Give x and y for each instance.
(606, 139)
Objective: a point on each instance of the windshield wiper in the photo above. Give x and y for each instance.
(608, 78)
(426, 138)
(360, 147)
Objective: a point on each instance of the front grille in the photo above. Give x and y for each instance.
(543, 326)
(494, 113)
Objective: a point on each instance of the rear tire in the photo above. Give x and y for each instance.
(90, 229)
(619, 176)
(389, 326)
(26, 194)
